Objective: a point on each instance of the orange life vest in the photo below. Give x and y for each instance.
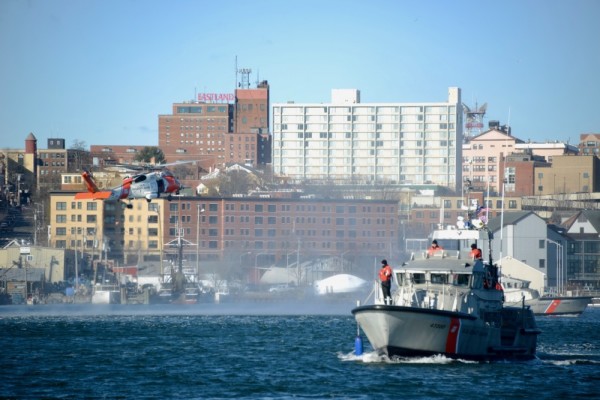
(476, 254)
(385, 273)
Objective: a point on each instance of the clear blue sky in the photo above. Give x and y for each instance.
(101, 71)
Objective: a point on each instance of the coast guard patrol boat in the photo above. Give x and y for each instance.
(449, 304)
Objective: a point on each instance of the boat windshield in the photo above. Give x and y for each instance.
(443, 278)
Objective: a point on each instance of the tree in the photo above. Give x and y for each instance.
(235, 182)
(150, 154)
(78, 145)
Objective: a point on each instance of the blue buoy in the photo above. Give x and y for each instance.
(358, 346)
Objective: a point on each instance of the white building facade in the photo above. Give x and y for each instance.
(375, 143)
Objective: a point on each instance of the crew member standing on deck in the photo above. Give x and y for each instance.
(475, 252)
(385, 275)
(434, 248)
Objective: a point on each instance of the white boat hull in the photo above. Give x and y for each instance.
(547, 305)
(559, 305)
(411, 331)
(106, 297)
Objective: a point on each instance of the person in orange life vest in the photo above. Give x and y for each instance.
(475, 252)
(385, 275)
(434, 248)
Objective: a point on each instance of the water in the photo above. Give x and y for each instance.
(223, 351)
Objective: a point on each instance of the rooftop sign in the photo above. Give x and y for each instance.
(216, 97)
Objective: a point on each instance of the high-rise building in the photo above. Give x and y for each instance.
(348, 141)
(218, 128)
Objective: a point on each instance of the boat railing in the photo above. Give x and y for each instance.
(424, 255)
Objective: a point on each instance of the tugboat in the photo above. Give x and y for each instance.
(449, 304)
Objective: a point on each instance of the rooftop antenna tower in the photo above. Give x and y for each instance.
(245, 72)
(474, 120)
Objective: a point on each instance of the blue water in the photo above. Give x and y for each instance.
(264, 352)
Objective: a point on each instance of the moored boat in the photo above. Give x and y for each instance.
(447, 304)
(517, 290)
(106, 294)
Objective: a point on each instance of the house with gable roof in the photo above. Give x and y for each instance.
(583, 250)
(521, 235)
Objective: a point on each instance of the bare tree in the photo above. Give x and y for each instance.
(78, 144)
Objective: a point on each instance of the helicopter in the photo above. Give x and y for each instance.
(148, 185)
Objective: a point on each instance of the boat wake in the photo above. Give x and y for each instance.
(568, 360)
(374, 357)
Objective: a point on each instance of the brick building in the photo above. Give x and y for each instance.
(215, 131)
(234, 230)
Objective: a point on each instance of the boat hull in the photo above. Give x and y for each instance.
(409, 331)
(547, 305)
(106, 297)
(559, 305)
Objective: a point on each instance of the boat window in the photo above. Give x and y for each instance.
(461, 279)
(400, 279)
(439, 278)
(418, 278)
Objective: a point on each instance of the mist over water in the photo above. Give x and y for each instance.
(281, 307)
(274, 351)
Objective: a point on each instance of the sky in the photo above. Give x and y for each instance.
(102, 71)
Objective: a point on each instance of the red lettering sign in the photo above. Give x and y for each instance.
(216, 97)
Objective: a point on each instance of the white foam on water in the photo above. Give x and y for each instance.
(374, 357)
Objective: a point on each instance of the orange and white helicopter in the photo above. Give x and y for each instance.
(148, 185)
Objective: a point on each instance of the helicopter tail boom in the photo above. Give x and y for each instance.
(103, 195)
(89, 182)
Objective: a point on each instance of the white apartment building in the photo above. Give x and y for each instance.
(376, 143)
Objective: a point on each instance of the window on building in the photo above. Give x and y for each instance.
(542, 244)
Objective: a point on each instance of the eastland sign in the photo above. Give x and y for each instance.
(216, 97)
